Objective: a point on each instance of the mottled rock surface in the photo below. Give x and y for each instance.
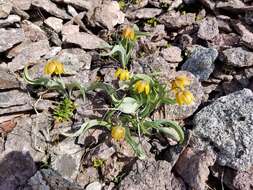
(238, 57)
(54, 23)
(84, 40)
(194, 167)
(51, 8)
(145, 13)
(172, 54)
(201, 62)
(48, 179)
(227, 124)
(10, 37)
(27, 53)
(143, 174)
(208, 28)
(174, 20)
(109, 14)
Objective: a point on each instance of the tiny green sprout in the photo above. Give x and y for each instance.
(168, 45)
(164, 5)
(98, 163)
(199, 18)
(64, 110)
(122, 4)
(136, 1)
(152, 21)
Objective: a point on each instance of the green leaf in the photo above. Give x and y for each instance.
(171, 133)
(87, 125)
(136, 146)
(179, 131)
(128, 105)
(122, 53)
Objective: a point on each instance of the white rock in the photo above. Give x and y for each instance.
(54, 23)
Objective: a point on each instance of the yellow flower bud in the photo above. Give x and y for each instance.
(184, 97)
(128, 33)
(54, 66)
(122, 74)
(180, 82)
(118, 133)
(142, 86)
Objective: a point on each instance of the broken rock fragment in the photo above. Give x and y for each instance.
(51, 8)
(54, 23)
(10, 37)
(28, 52)
(208, 29)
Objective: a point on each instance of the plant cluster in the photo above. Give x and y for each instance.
(132, 101)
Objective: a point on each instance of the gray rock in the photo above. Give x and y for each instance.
(247, 36)
(5, 8)
(175, 4)
(10, 37)
(249, 17)
(236, 6)
(208, 28)
(81, 4)
(144, 13)
(84, 40)
(67, 159)
(243, 180)
(181, 112)
(23, 5)
(17, 101)
(194, 167)
(108, 14)
(224, 41)
(33, 32)
(143, 173)
(51, 8)
(16, 168)
(201, 62)
(172, 54)
(21, 138)
(28, 52)
(94, 186)
(238, 57)
(74, 60)
(8, 80)
(174, 20)
(227, 126)
(11, 19)
(54, 23)
(48, 179)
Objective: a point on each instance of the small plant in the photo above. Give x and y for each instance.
(54, 69)
(122, 4)
(124, 49)
(152, 21)
(131, 102)
(64, 110)
(98, 163)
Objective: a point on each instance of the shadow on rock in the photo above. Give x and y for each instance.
(15, 169)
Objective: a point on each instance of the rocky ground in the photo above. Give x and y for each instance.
(211, 41)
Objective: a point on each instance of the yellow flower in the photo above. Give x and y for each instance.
(180, 82)
(118, 133)
(184, 97)
(54, 66)
(128, 33)
(142, 86)
(122, 74)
